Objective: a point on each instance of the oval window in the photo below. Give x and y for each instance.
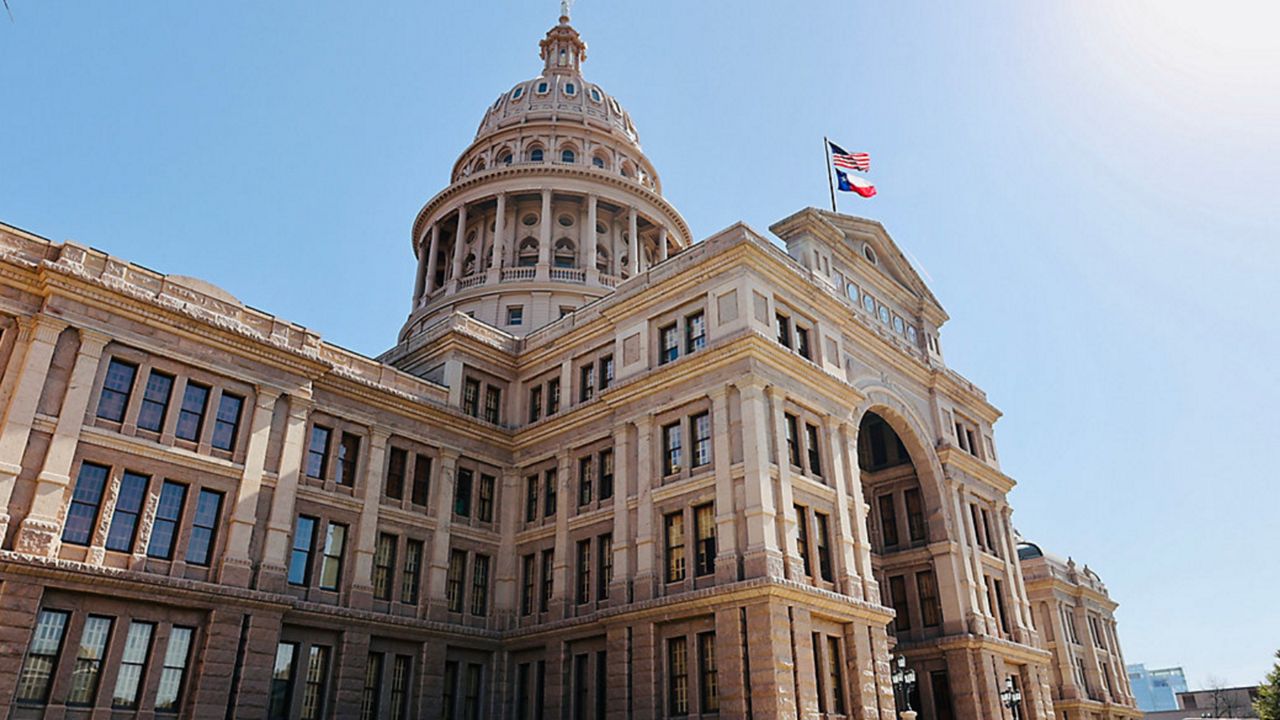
(529, 219)
(884, 315)
(515, 94)
(898, 325)
(869, 304)
(869, 254)
(852, 291)
(912, 335)
(595, 94)
(565, 220)
(542, 88)
(600, 229)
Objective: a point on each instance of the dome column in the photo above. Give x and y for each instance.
(633, 247)
(420, 279)
(589, 239)
(430, 285)
(543, 271)
(662, 243)
(499, 240)
(459, 240)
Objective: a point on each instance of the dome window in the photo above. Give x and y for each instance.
(567, 155)
(543, 87)
(535, 155)
(598, 161)
(517, 93)
(614, 104)
(595, 94)
(505, 158)
(570, 90)
(601, 229)
(528, 253)
(565, 220)
(529, 220)
(602, 259)
(565, 256)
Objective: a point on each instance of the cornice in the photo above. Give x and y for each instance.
(953, 457)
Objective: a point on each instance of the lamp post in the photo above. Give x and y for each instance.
(904, 681)
(1011, 697)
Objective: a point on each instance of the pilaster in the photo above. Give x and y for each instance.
(726, 515)
(237, 566)
(647, 575)
(763, 557)
(438, 567)
(369, 493)
(271, 573)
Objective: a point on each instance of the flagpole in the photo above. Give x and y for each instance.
(831, 185)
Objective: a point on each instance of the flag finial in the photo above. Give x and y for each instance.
(564, 10)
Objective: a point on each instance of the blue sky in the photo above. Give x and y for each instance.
(1090, 191)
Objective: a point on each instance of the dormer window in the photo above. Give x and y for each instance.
(595, 94)
(517, 93)
(570, 89)
(543, 87)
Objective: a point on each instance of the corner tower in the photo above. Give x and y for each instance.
(551, 206)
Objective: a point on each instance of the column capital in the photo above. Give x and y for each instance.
(300, 406)
(449, 456)
(92, 342)
(378, 437)
(265, 397)
(751, 386)
(43, 328)
(718, 393)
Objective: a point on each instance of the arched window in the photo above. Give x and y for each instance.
(602, 259)
(535, 155)
(601, 229)
(478, 166)
(528, 253)
(564, 58)
(595, 95)
(570, 89)
(598, 161)
(567, 155)
(469, 264)
(565, 253)
(504, 157)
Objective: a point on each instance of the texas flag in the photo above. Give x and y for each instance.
(854, 184)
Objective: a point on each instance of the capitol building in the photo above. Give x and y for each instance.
(607, 470)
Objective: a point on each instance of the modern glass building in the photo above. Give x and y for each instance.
(1156, 689)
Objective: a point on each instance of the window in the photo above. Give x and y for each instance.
(549, 493)
(569, 89)
(597, 161)
(548, 556)
(400, 675)
(553, 396)
(397, 461)
(678, 676)
(480, 585)
(484, 499)
(453, 581)
(543, 87)
(915, 516)
(174, 669)
(822, 534)
(313, 688)
(42, 657)
(927, 587)
(462, 493)
(471, 397)
(282, 681)
(116, 388)
(869, 303)
(204, 527)
(888, 520)
(409, 579)
(604, 558)
(802, 343)
(836, 673)
(793, 439)
(124, 521)
(384, 563)
(471, 692)
(671, 440)
(605, 468)
(674, 533)
(348, 459)
(784, 330)
(701, 424)
(898, 595)
(584, 480)
(813, 448)
(371, 698)
(133, 665)
(695, 332)
(448, 691)
(704, 524)
(88, 664)
(421, 480)
(580, 689)
(535, 155)
(526, 584)
(191, 414)
(173, 496)
(226, 424)
(606, 371)
(304, 543)
(535, 403)
(986, 528)
(531, 498)
(155, 401)
(709, 685)
(318, 451)
(515, 94)
(584, 571)
(999, 593)
(492, 404)
(802, 538)
(82, 513)
(668, 343)
(335, 542)
(595, 95)
(586, 382)
(884, 315)
(515, 313)
(567, 155)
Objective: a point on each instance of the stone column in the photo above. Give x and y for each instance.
(589, 235)
(763, 557)
(662, 244)
(773, 665)
(41, 531)
(786, 506)
(726, 517)
(26, 372)
(544, 233)
(507, 570)
(431, 258)
(1016, 584)
(848, 578)
(1092, 670)
(459, 244)
(369, 494)
(499, 238)
(438, 567)
(982, 610)
(856, 509)
(646, 574)
(633, 247)
(420, 279)
(237, 566)
(275, 552)
(621, 515)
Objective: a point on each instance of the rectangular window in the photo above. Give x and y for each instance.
(400, 676)
(1004, 617)
(335, 543)
(191, 414)
(793, 439)
(480, 585)
(462, 492)
(822, 535)
(586, 382)
(668, 344)
(304, 543)
(888, 520)
(318, 451)
(784, 330)
(226, 423)
(88, 663)
(549, 493)
(204, 528)
(313, 688)
(397, 465)
(524, 701)
(813, 448)
(164, 531)
(673, 525)
(602, 688)
(449, 691)
(695, 332)
(584, 572)
(836, 673)
(515, 315)
(822, 681)
(553, 396)
(371, 697)
(174, 669)
(548, 557)
(124, 520)
(116, 388)
(412, 575)
(531, 498)
(155, 401)
(421, 489)
(802, 538)
(471, 692)
(384, 566)
(802, 343)
(527, 582)
(535, 404)
(584, 480)
(606, 371)
(701, 425)
(704, 523)
(42, 657)
(282, 681)
(605, 466)
(604, 558)
(471, 397)
(671, 455)
(986, 533)
(898, 596)
(453, 581)
(82, 513)
(915, 516)
(492, 404)
(348, 459)
(484, 499)
(927, 587)
(709, 684)
(678, 676)
(133, 665)
(580, 688)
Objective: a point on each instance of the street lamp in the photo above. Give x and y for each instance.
(904, 681)
(1011, 697)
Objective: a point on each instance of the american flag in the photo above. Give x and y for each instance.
(850, 161)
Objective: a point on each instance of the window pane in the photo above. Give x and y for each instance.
(282, 681)
(334, 544)
(204, 527)
(304, 538)
(82, 513)
(84, 676)
(115, 390)
(133, 664)
(168, 512)
(42, 656)
(175, 666)
(228, 421)
(191, 416)
(155, 401)
(124, 522)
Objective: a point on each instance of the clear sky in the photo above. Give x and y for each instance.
(1091, 189)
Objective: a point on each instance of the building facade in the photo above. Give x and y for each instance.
(605, 472)
(1156, 689)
